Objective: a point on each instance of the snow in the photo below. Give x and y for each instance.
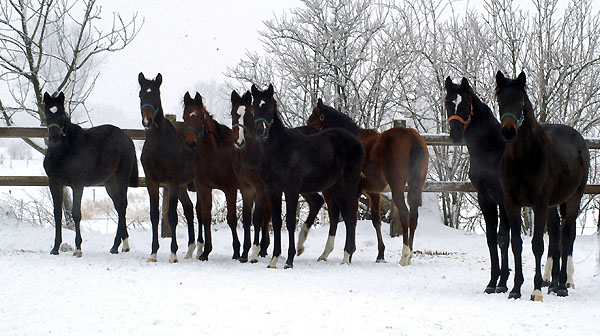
(438, 294)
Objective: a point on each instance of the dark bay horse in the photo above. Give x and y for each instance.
(78, 158)
(244, 134)
(472, 120)
(214, 161)
(542, 167)
(393, 158)
(166, 160)
(293, 163)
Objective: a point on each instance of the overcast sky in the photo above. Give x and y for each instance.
(186, 41)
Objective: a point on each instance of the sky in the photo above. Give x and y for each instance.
(186, 41)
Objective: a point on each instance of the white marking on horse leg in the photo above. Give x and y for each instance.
(537, 295)
(273, 263)
(570, 271)
(328, 248)
(126, 247)
(173, 258)
(77, 253)
(255, 251)
(346, 260)
(548, 270)
(406, 256)
(152, 258)
(200, 249)
(190, 251)
(301, 239)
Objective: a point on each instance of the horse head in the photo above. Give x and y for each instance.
(511, 96)
(317, 118)
(196, 121)
(150, 104)
(242, 120)
(264, 108)
(459, 107)
(56, 117)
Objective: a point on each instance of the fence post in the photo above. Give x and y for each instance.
(399, 122)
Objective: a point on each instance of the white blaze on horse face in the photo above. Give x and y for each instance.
(262, 102)
(145, 122)
(149, 90)
(53, 109)
(241, 111)
(457, 100)
(193, 114)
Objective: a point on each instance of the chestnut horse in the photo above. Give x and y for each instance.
(78, 158)
(292, 163)
(542, 167)
(393, 158)
(167, 160)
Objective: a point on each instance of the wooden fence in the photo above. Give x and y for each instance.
(139, 134)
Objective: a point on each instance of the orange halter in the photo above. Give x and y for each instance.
(459, 118)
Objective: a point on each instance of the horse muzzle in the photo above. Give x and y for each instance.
(509, 133)
(456, 132)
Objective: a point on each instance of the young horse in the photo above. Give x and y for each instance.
(472, 120)
(394, 158)
(294, 163)
(77, 158)
(244, 135)
(541, 167)
(214, 163)
(166, 160)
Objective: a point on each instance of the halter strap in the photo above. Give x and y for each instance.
(199, 134)
(59, 128)
(463, 121)
(518, 120)
(155, 110)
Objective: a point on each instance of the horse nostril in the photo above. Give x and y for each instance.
(509, 133)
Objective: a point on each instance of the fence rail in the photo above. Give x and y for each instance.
(139, 134)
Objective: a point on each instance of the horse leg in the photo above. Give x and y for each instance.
(200, 244)
(315, 202)
(266, 239)
(247, 201)
(349, 210)
(275, 200)
(56, 191)
(173, 193)
(205, 199)
(537, 245)
(231, 198)
(398, 198)
(188, 212)
(333, 211)
(375, 200)
(513, 212)
(550, 277)
(490, 215)
(503, 242)
(567, 240)
(77, 193)
(117, 190)
(153, 193)
(258, 217)
(291, 207)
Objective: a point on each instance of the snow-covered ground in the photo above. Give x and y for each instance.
(441, 293)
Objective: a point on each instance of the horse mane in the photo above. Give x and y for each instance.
(339, 119)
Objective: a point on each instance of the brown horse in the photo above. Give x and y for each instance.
(215, 160)
(394, 158)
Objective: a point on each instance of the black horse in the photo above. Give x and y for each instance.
(166, 160)
(542, 167)
(77, 158)
(246, 168)
(472, 120)
(293, 163)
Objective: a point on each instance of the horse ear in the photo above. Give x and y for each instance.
(320, 103)
(141, 78)
(235, 97)
(521, 79)
(270, 90)
(186, 97)
(61, 98)
(465, 83)
(158, 79)
(247, 98)
(46, 97)
(254, 90)
(198, 98)
(448, 83)
(500, 79)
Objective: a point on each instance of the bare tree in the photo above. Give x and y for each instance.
(50, 45)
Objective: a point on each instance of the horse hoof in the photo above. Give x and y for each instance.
(235, 257)
(263, 254)
(152, 259)
(126, 249)
(173, 261)
(321, 259)
(514, 295)
(537, 296)
(243, 260)
(253, 261)
(562, 292)
(54, 252)
(288, 266)
(545, 283)
(501, 289)
(490, 290)
(405, 262)
(381, 261)
(571, 285)
(300, 251)
(77, 253)
(203, 258)
(271, 266)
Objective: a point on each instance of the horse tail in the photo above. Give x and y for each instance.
(134, 176)
(417, 172)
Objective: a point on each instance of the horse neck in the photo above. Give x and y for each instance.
(483, 122)
(530, 134)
